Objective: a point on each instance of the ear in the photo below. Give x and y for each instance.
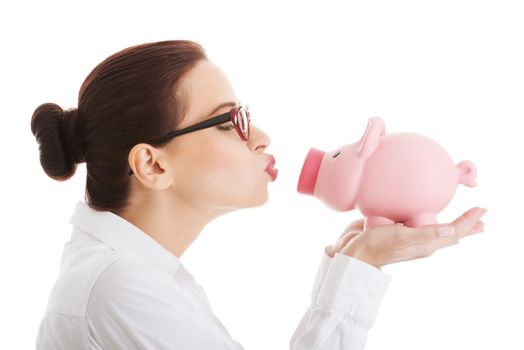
(148, 165)
(371, 139)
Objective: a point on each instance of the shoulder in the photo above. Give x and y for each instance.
(131, 280)
(128, 272)
(132, 296)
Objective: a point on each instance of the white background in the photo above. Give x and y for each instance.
(312, 74)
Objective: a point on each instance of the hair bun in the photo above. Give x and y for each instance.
(71, 138)
(56, 132)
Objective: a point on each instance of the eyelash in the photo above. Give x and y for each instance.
(229, 127)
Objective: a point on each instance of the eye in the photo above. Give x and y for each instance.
(336, 154)
(227, 127)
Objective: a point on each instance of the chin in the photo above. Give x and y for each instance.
(252, 202)
(255, 197)
(261, 199)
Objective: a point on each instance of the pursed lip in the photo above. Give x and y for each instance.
(271, 162)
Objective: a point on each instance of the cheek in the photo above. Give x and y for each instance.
(233, 168)
(229, 165)
(203, 156)
(214, 169)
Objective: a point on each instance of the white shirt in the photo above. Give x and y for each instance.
(120, 289)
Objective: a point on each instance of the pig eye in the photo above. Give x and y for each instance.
(336, 154)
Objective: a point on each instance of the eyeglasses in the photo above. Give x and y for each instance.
(238, 115)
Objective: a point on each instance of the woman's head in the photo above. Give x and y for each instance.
(142, 93)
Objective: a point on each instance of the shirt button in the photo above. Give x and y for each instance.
(372, 294)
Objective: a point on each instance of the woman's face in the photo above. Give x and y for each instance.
(214, 167)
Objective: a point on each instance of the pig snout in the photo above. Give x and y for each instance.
(309, 173)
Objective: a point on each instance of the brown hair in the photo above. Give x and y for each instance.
(132, 96)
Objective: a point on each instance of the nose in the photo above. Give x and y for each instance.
(258, 140)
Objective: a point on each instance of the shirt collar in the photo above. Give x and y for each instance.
(120, 234)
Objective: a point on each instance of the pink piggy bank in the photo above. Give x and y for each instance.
(397, 178)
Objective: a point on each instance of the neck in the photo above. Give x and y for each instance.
(171, 222)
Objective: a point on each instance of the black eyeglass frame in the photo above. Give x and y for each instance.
(232, 115)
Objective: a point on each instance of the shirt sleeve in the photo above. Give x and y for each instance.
(345, 299)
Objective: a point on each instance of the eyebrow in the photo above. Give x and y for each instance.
(220, 106)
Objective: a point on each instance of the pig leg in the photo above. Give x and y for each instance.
(373, 221)
(421, 219)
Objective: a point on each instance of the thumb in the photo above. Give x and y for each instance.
(345, 239)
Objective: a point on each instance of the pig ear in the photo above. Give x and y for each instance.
(369, 142)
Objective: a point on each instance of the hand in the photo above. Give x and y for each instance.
(351, 231)
(388, 244)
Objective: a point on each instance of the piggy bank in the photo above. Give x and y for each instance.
(397, 178)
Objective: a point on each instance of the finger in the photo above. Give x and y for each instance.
(345, 239)
(464, 222)
(341, 242)
(454, 239)
(427, 248)
(355, 225)
(477, 228)
(462, 226)
(409, 236)
(358, 224)
(478, 225)
(420, 250)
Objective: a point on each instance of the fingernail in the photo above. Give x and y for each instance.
(445, 231)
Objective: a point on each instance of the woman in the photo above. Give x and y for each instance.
(150, 192)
